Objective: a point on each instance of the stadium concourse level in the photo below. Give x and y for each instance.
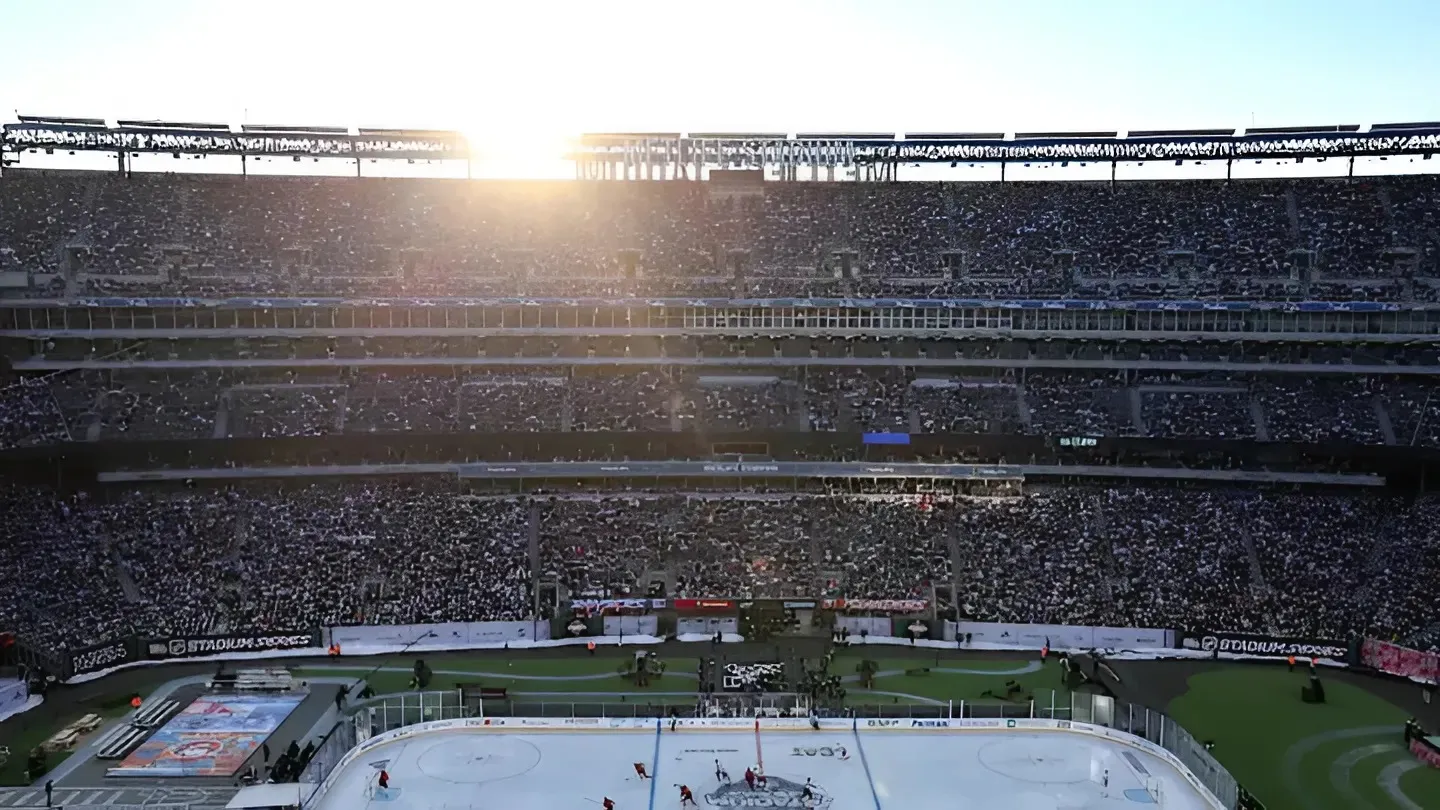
(1305, 404)
(78, 570)
(1321, 239)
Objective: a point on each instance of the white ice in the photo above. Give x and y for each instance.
(914, 770)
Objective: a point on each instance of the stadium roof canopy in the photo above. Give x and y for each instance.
(252, 140)
(1331, 140)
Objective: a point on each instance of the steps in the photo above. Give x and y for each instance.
(128, 588)
(1022, 408)
(1387, 428)
(1257, 414)
(1137, 413)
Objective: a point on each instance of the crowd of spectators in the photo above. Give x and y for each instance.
(1281, 407)
(197, 234)
(80, 569)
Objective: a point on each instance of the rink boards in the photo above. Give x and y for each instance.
(867, 764)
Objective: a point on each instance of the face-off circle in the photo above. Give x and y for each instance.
(477, 760)
(1036, 760)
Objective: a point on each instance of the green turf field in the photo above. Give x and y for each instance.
(521, 675)
(1345, 754)
(24, 737)
(949, 679)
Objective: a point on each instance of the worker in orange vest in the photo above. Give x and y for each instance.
(590, 645)
(1291, 662)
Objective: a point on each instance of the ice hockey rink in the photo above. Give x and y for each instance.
(544, 769)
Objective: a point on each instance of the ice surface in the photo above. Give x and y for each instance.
(880, 770)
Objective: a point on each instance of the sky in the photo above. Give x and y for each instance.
(537, 72)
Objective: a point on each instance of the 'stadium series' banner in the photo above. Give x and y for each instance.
(101, 656)
(1227, 642)
(200, 646)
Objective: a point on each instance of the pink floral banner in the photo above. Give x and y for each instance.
(1403, 661)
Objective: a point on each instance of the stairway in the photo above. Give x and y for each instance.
(1137, 412)
(128, 588)
(532, 550)
(1257, 415)
(1387, 428)
(1022, 408)
(1256, 573)
(1292, 208)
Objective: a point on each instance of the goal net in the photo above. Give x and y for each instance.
(372, 784)
(1156, 788)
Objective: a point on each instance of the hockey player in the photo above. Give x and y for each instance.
(807, 793)
(686, 797)
(750, 778)
(607, 804)
(720, 774)
(640, 770)
(760, 778)
(384, 781)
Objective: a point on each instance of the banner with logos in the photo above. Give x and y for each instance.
(632, 626)
(706, 625)
(1393, 659)
(1258, 644)
(1059, 636)
(198, 646)
(876, 605)
(101, 656)
(616, 605)
(1426, 751)
(704, 605)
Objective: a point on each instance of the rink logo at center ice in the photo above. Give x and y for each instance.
(776, 792)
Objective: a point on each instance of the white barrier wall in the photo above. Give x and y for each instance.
(632, 625)
(743, 724)
(872, 625)
(1061, 636)
(457, 634)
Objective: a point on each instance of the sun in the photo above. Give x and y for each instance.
(530, 152)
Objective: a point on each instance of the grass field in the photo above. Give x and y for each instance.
(22, 738)
(521, 675)
(1345, 754)
(948, 679)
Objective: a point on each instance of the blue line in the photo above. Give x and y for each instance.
(655, 764)
(860, 746)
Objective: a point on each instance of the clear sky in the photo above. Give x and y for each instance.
(740, 65)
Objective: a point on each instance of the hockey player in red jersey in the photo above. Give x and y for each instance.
(607, 804)
(640, 769)
(384, 780)
(686, 797)
(750, 778)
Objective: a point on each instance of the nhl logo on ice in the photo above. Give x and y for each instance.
(777, 792)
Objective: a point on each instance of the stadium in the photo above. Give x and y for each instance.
(741, 452)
